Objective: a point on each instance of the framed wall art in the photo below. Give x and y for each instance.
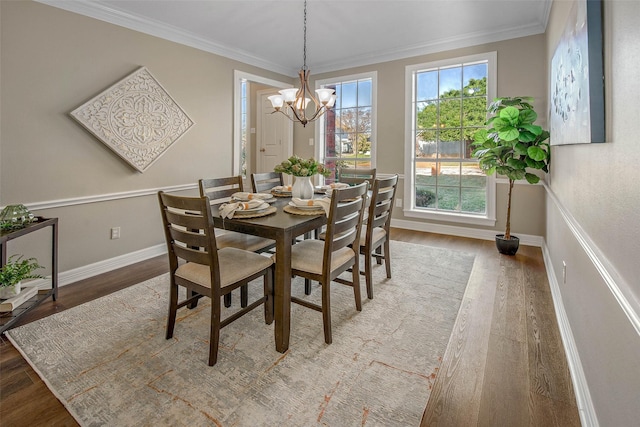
(136, 118)
(577, 78)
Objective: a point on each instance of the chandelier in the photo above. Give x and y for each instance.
(293, 102)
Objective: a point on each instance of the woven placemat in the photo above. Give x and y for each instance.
(276, 194)
(296, 211)
(242, 215)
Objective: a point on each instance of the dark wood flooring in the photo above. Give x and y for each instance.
(504, 365)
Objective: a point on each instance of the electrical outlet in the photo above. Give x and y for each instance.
(311, 142)
(115, 233)
(398, 203)
(564, 272)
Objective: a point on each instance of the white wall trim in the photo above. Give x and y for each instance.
(452, 230)
(586, 409)
(100, 267)
(61, 203)
(612, 279)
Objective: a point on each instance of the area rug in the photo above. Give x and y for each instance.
(109, 363)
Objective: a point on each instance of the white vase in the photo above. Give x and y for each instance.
(302, 187)
(10, 291)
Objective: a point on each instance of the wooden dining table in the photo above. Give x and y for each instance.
(282, 227)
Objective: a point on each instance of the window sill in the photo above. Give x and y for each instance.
(450, 217)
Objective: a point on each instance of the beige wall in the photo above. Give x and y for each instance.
(52, 62)
(592, 224)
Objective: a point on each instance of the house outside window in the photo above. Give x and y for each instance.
(446, 104)
(347, 132)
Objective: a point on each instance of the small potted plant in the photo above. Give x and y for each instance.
(512, 145)
(13, 272)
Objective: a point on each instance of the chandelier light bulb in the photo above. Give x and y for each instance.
(277, 101)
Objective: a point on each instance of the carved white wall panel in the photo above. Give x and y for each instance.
(136, 118)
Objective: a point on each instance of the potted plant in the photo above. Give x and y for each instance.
(512, 145)
(14, 271)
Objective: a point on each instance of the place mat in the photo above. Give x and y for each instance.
(276, 194)
(243, 215)
(295, 211)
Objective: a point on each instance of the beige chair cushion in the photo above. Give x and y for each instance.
(235, 265)
(232, 239)
(307, 256)
(377, 235)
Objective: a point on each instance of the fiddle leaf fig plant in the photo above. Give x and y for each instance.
(512, 145)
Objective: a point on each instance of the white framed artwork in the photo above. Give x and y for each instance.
(136, 118)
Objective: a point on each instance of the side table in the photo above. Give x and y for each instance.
(9, 318)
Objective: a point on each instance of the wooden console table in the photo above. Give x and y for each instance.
(9, 318)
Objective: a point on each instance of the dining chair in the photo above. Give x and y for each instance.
(324, 260)
(220, 190)
(263, 182)
(354, 176)
(375, 233)
(199, 265)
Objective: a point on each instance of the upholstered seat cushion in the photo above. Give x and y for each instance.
(232, 239)
(307, 256)
(377, 235)
(235, 265)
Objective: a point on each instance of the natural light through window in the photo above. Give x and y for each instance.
(347, 131)
(447, 105)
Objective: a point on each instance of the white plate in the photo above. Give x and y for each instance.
(306, 208)
(238, 199)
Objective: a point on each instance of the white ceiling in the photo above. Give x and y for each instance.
(340, 33)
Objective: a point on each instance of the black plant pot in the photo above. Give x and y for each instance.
(507, 246)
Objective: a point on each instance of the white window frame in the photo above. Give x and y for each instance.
(410, 209)
(319, 130)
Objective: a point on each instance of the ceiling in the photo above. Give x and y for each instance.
(340, 33)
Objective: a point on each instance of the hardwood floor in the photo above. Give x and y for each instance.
(504, 366)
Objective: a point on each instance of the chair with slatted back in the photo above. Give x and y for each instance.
(324, 260)
(264, 182)
(220, 190)
(353, 176)
(197, 264)
(374, 240)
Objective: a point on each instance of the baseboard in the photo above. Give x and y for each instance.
(87, 271)
(586, 409)
(452, 230)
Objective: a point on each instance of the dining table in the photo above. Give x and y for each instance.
(283, 227)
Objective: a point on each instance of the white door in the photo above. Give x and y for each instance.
(274, 135)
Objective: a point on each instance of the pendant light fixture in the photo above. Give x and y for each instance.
(293, 102)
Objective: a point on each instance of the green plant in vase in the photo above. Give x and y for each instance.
(512, 145)
(14, 271)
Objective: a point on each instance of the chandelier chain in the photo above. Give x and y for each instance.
(304, 51)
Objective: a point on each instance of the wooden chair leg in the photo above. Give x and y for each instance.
(379, 253)
(367, 274)
(190, 294)
(387, 258)
(307, 286)
(326, 312)
(173, 308)
(214, 334)
(356, 286)
(227, 300)
(268, 291)
(244, 296)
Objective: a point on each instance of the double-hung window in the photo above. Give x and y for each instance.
(446, 104)
(347, 132)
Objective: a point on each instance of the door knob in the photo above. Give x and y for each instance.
(262, 150)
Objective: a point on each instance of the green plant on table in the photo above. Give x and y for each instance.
(298, 166)
(17, 269)
(511, 144)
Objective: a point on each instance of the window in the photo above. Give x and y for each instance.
(347, 131)
(243, 128)
(447, 103)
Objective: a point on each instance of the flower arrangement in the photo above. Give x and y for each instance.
(297, 166)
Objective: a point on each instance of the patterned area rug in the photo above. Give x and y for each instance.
(109, 363)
